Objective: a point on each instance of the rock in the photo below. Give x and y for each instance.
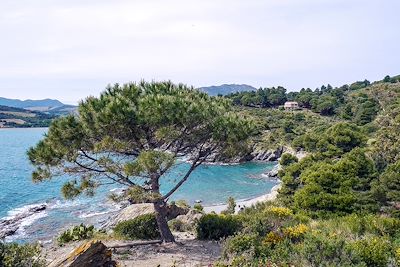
(135, 210)
(191, 218)
(10, 225)
(267, 155)
(90, 254)
(274, 172)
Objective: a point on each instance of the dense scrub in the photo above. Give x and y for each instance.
(340, 205)
(13, 254)
(141, 227)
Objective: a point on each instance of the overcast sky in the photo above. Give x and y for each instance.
(69, 49)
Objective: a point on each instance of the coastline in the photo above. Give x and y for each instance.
(247, 202)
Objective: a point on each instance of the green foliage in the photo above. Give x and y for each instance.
(182, 204)
(353, 240)
(141, 227)
(230, 209)
(180, 226)
(26, 255)
(198, 207)
(287, 159)
(215, 227)
(76, 233)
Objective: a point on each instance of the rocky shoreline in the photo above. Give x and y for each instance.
(9, 226)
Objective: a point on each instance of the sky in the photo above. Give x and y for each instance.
(70, 49)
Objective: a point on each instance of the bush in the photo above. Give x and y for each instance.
(198, 207)
(287, 159)
(20, 255)
(236, 245)
(230, 209)
(76, 233)
(215, 227)
(372, 251)
(141, 227)
(181, 204)
(178, 225)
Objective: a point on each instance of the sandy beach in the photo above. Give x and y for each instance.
(246, 203)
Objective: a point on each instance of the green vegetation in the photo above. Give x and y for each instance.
(215, 227)
(14, 254)
(230, 209)
(141, 227)
(198, 207)
(339, 205)
(290, 239)
(76, 233)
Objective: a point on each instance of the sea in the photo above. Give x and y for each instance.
(212, 184)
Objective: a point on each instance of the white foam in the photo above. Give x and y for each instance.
(59, 204)
(88, 215)
(17, 211)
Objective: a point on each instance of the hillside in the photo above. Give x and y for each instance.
(225, 89)
(17, 117)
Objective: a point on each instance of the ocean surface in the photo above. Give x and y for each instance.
(212, 184)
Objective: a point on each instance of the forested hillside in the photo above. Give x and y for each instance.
(340, 205)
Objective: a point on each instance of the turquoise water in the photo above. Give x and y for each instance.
(213, 184)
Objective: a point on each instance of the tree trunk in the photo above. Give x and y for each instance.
(161, 214)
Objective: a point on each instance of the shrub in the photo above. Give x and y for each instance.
(178, 225)
(295, 232)
(20, 255)
(198, 207)
(287, 159)
(372, 251)
(215, 227)
(76, 233)
(182, 204)
(230, 209)
(141, 227)
(236, 245)
(280, 212)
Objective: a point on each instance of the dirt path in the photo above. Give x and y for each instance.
(187, 252)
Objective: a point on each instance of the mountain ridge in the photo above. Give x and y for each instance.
(225, 89)
(17, 103)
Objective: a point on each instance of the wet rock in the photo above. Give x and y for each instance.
(9, 226)
(90, 254)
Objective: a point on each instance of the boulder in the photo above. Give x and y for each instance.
(191, 218)
(135, 210)
(90, 254)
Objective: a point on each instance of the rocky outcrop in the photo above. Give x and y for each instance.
(135, 210)
(191, 218)
(11, 225)
(273, 174)
(90, 254)
(267, 155)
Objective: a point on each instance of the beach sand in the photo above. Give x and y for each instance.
(246, 203)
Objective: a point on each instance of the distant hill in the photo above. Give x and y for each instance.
(18, 117)
(50, 106)
(226, 89)
(16, 103)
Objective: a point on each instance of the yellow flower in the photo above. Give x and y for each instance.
(295, 231)
(281, 212)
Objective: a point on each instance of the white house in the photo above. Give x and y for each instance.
(291, 105)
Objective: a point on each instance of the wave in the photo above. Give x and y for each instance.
(93, 214)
